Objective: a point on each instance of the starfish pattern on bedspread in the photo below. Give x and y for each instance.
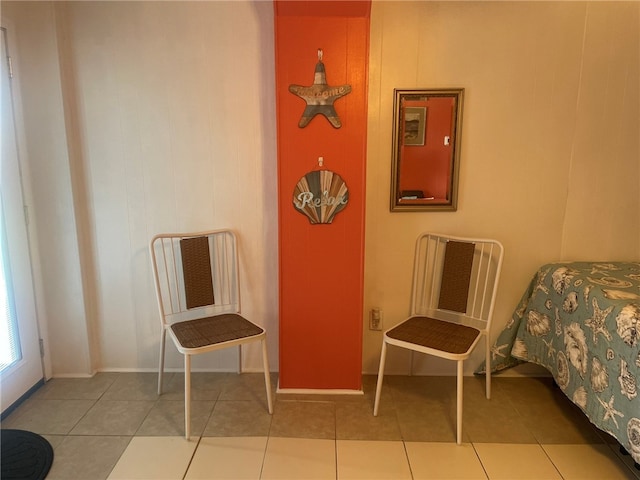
(597, 321)
(609, 411)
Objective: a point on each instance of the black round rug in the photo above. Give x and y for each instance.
(24, 455)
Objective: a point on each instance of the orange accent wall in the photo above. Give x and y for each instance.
(321, 266)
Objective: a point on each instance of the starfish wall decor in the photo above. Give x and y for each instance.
(320, 97)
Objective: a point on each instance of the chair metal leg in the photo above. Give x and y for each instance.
(383, 357)
(267, 374)
(163, 338)
(239, 359)
(460, 379)
(487, 368)
(187, 396)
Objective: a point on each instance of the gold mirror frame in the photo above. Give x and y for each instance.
(427, 132)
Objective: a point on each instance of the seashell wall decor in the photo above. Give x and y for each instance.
(320, 195)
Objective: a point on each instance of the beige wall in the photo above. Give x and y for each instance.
(149, 116)
(168, 125)
(550, 156)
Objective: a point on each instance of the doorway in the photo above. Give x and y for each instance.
(21, 367)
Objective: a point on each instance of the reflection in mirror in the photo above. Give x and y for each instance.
(426, 149)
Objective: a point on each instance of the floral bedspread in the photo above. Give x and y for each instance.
(581, 321)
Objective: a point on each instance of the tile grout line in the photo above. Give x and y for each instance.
(406, 454)
(193, 454)
(484, 469)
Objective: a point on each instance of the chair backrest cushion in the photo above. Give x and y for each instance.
(196, 269)
(456, 276)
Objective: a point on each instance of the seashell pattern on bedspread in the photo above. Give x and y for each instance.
(581, 321)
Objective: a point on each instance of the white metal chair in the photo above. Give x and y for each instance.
(197, 286)
(455, 282)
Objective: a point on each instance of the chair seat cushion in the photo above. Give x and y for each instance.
(213, 330)
(437, 334)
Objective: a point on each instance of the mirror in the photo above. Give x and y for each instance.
(427, 128)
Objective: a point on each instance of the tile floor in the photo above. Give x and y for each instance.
(115, 426)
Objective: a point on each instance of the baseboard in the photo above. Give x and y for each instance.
(318, 391)
(20, 400)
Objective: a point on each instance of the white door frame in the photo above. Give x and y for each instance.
(26, 374)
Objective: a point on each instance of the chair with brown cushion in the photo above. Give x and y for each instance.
(455, 282)
(197, 287)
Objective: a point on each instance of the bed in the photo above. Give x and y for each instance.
(581, 321)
